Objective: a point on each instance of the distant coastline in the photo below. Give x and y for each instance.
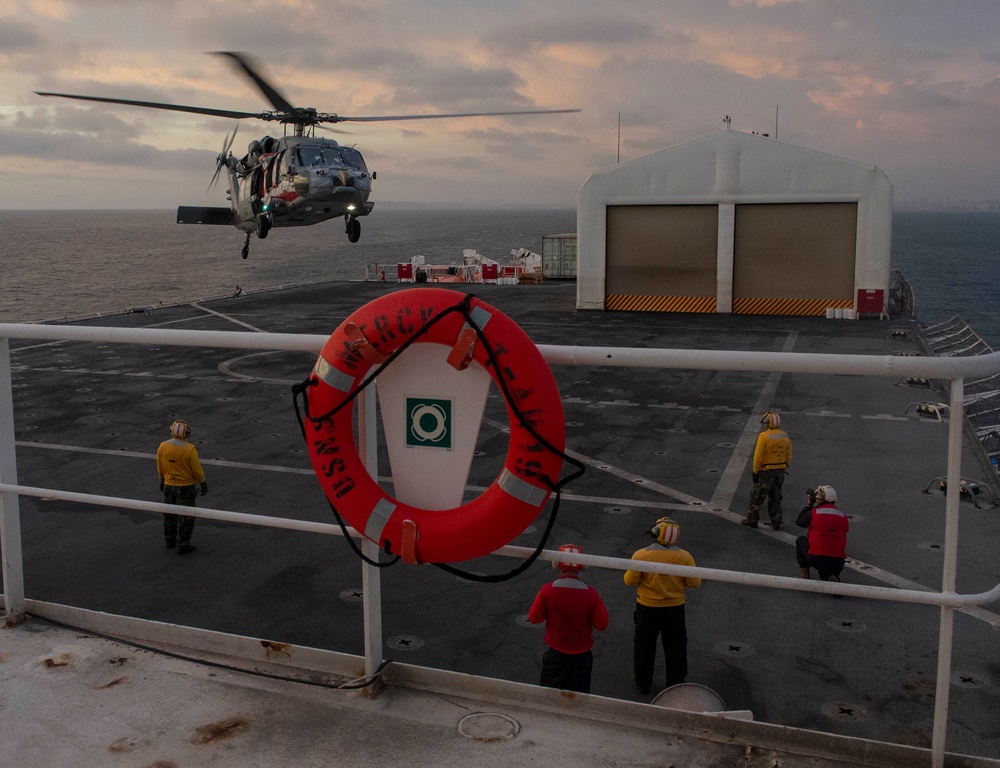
(947, 204)
(387, 205)
(917, 204)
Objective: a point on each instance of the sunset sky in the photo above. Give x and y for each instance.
(911, 86)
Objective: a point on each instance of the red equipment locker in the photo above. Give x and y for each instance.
(871, 300)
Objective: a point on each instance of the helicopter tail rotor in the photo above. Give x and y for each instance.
(220, 161)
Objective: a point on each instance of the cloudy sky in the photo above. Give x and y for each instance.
(912, 86)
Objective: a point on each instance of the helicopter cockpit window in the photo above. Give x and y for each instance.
(310, 156)
(352, 158)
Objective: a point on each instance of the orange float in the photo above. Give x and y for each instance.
(476, 333)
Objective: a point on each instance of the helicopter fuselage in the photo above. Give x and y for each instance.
(297, 181)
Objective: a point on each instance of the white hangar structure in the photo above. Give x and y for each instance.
(735, 223)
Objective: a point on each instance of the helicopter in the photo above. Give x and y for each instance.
(297, 179)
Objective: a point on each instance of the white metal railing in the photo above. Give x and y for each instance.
(955, 369)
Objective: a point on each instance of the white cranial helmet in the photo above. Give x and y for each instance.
(826, 493)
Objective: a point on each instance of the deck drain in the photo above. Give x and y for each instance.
(405, 642)
(966, 680)
(295, 450)
(734, 648)
(931, 546)
(678, 431)
(725, 445)
(352, 595)
(659, 453)
(713, 471)
(488, 726)
(615, 437)
(839, 710)
(522, 620)
(574, 423)
(479, 453)
(846, 625)
(617, 509)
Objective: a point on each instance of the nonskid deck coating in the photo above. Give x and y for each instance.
(88, 417)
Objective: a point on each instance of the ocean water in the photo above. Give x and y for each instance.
(59, 264)
(952, 260)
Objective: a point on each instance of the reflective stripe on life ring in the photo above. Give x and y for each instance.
(516, 496)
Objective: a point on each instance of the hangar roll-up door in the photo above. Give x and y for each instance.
(662, 257)
(794, 258)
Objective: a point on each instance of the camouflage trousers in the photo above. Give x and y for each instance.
(767, 487)
(178, 528)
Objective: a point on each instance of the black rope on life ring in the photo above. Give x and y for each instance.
(301, 389)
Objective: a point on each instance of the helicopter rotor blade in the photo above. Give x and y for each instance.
(339, 131)
(272, 94)
(215, 178)
(385, 118)
(230, 137)
(157, 105)
(221, 159)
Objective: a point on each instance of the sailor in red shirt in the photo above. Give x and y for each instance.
(571, 611)
(824, 547)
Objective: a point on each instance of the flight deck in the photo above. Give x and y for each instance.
(89, 416)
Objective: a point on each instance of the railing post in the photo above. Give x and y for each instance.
(10, 514)
(947, 624)
(371, 578)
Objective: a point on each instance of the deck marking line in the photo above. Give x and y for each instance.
(224, 316)
(743, 452)
(152, 457)
(623, 474)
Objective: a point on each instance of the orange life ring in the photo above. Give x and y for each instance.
(514, 499)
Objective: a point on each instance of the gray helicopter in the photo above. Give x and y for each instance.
(294, 180)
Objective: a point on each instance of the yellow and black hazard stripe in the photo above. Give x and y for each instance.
(799, 307)
(627, 303)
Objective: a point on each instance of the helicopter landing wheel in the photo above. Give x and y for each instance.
(353, 230)
(263, 226)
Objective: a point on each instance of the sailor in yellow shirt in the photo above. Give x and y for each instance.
(179, 469)
(659, 609)
(771, 458)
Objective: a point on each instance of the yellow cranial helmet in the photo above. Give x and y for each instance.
(665, 531)
(180, 429)
(772, 420)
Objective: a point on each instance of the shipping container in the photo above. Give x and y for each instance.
(559, 256)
